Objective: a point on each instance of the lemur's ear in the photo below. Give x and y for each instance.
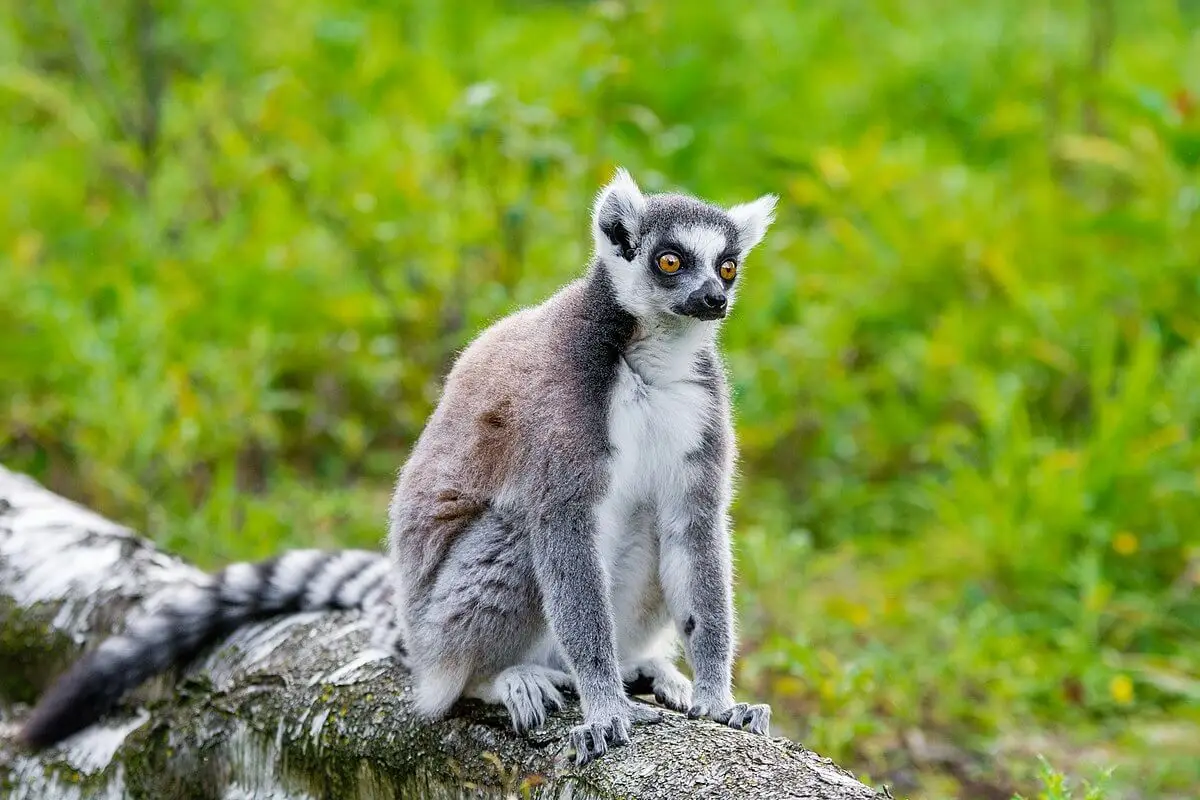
(753, 219)
(617, 217)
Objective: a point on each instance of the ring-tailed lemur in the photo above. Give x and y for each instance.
(561, 521)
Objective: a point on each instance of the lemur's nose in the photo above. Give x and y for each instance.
(714, 300)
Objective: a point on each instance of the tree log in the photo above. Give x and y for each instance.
(297, 707)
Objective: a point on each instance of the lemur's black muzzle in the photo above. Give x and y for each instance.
(708, 302)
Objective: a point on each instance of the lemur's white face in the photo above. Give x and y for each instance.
(673, 255)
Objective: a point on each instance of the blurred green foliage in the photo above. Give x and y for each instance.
(240, 243)
(1054, 785)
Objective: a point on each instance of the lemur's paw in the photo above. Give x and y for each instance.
(743, 716)
(706, 706)
(752, 718)
(660, 677)
(591, 739)
(602, 729)
(673, 690)
(528, 693)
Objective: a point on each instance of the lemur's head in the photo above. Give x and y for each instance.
(671, 255)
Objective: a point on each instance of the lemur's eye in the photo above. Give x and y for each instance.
(729, 270)
(669, 263)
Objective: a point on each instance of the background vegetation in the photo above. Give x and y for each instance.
(240, 243)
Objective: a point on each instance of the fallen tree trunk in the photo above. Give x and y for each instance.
(297, 708)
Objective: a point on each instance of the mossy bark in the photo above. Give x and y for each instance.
(299, 708)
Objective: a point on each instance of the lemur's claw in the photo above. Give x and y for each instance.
(592, 739)
(743, 716)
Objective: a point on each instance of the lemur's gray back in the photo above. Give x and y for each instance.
(532, 387)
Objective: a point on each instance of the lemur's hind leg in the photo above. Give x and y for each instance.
(479, 619)
(529, 692)
(658, 676)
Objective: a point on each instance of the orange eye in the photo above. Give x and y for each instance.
(729, 270)
(669, 263)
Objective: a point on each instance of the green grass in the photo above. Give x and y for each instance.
(965, 359)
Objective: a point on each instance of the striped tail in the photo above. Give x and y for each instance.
(193, 617)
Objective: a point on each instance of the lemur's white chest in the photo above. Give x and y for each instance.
(653, 426)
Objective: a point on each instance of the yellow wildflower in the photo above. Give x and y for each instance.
(1121, 689)
(1125, 543)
